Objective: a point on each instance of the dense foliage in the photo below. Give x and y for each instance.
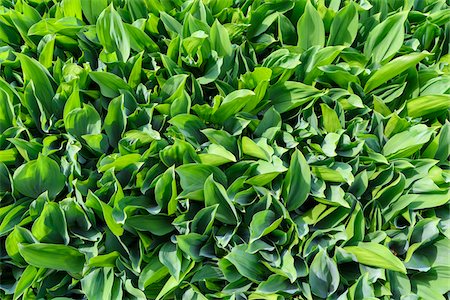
(224, 149)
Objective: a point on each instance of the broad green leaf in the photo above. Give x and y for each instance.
(139, 40)
(7, 115)
(51, 226)
(376, 255)
(18, 236)
(153, 272)
(275, 283)
(26, 280)
(297, 183)
(392, 69)
(215, 193)
(386, 38)
(93, 10)
(427, 106)
(34, 71)
(263, 223)
(115, 120)
(194, 176)
(170, 257)
(112, 34)
(324, 275)
(81, 121)
(52, 256)
(191, 244)
(408, 142)
(220, 40)
(110, 84)
(338, 172)
(247, 264)
(344, 27)
(98, 283)
(37, 176)
(106, 260)
(310, 28)
(232, 104)
(156, 224)
(331, 121)
(105, 211)
(166, 191)
(251, 148)
(290, 94)
(72, 8)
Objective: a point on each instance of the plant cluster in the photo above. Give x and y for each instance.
(224, 149)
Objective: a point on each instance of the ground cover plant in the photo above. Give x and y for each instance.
(224, 149)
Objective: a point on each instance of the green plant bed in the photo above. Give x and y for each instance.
(224, 149)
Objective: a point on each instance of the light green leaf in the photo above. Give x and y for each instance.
(310, 28)
(408, 142)
(428, 106)
(52, 256)
(392, 69)
(112, 34)
(110, 84)
(386, 38)
(290, 94)
(344, 27)
(376, 255)
(232, 104)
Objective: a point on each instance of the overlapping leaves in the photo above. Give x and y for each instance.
(224, 149)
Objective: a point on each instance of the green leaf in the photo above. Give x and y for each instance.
(112, 34)
(408, 142)
(26, 280)
(323, 275)
(157, 224)
(428, 106)
(170, 257)
(50, 226)
(344, 27)
(191, 244)
(107, 260)
(290, 94)
(331, 121)
(232, 104)
(247, 264)
(98, 283)
(392, 69)
(297, 183)
(376, 255)
(310, 28)
(139, 40)
(93, 10)
(220, 40)
(386, 38)
(50, 256)
(166, 191)
(110, 84)
(7, 115)
(153, 272)
(263, 223)
(37, 176)
(215, 193)
(81, 121)
(115, 120)
(35, 72)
